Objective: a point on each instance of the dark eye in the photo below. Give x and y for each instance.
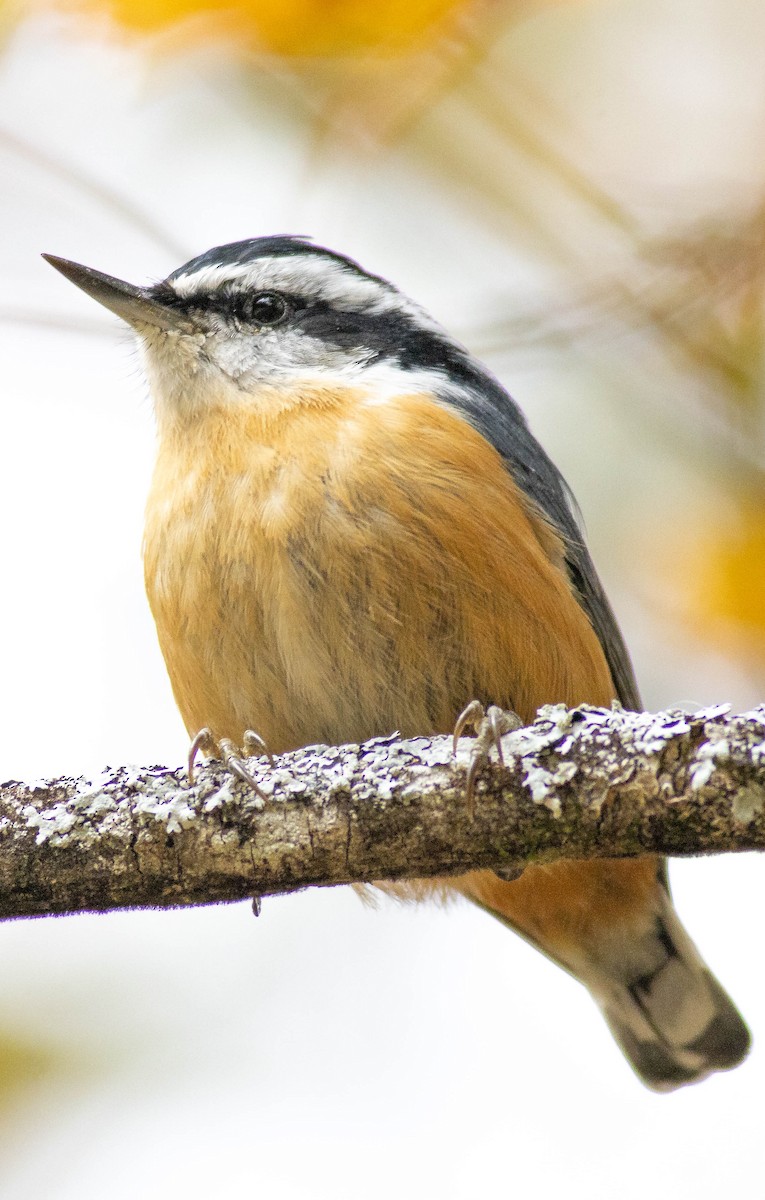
(265, 308)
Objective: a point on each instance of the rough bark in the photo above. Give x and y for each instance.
(577, 783)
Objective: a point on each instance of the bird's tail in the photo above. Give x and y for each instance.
(613, 926)
(672, 1019)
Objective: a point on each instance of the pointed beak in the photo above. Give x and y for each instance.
(135, 305)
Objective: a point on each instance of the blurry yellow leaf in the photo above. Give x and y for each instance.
(723, 582)
(293, 27)
(734, 573)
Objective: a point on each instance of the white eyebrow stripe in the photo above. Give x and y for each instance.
(308, 275)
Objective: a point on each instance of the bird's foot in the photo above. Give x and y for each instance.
(490, 724)
(231, 754)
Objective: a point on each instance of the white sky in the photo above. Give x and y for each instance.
(325, 1050)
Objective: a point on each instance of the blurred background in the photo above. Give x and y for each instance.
(577, 190)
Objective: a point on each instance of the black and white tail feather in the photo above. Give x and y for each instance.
(671, 1017)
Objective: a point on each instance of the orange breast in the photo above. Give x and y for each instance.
(331, 570)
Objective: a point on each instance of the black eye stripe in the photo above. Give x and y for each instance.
(387, 334)
(264, 308)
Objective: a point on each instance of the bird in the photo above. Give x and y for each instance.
(351, 530)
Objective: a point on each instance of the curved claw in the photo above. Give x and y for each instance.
(495, 718)
(490, 725)
(472, 714)
(230, 755)
(205, 740)
(204, 737)
(476, 762)
(251, 741)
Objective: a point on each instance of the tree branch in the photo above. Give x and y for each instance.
(577, 783)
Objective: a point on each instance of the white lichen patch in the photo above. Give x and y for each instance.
(543, 783)
(602, 734)
(275, 782)
(386, 790)
(709, 756)
(175, 812)
(749, 743)
(553, 722)
(375, 757)
(100, 806)
(88, 791)
(701, 773)
(62, 823)
(340, 780)
(712, 712)
(399, 771)
(431, 752)
(649, 733)
(295, 788)
(225, 794)
(52, 824)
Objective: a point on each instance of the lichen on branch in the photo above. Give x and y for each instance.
(578, 783)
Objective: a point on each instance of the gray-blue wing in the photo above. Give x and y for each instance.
(488, 407)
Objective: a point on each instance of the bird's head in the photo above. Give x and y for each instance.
(275, 312)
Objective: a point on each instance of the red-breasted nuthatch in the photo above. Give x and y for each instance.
(351, 530)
